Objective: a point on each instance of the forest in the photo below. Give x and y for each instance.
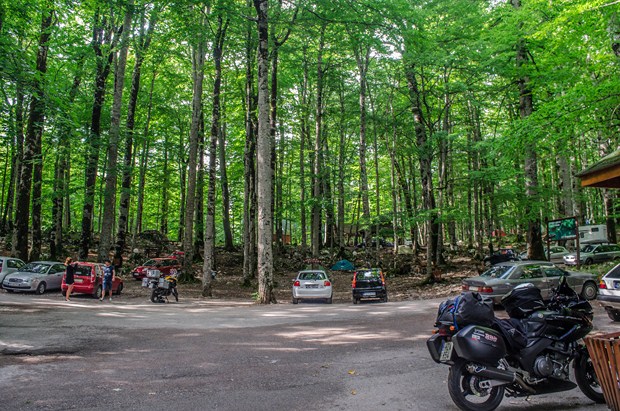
(262, 124)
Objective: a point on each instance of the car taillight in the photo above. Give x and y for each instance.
(465, 287)
(296, 283)
(327, 283)
(602, 285)
(353, 283)
(486, 289)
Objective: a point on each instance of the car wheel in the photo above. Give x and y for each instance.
(384, 299)
(64, 293)
(588, 261)
(98, 292)
(614, 315)
(295, 301)
(9, 291)
(356, 300)
(589, 291)
(41, 288)
(119, 290)
(329, 300)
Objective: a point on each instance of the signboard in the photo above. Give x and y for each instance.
(562, 229)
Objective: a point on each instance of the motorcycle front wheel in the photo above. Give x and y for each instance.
(176, 294)
(466, 390)
(587, 380)
(155, 296)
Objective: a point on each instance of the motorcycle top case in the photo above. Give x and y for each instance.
(523, 300)
(479, 344)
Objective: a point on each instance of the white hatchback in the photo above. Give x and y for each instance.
(609, 293)
(312, 285)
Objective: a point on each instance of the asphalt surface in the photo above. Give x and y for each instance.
(130, 354)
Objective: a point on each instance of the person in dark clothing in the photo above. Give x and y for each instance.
(108, 279)
(69, 274)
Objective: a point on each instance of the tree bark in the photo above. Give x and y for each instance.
(316, 178)
(111, 178)
(264, 171)
(198, 61)
(32, 150)
(216, 130)
(101, 36)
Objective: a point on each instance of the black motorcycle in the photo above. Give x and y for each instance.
(528, 354)
(161, 287)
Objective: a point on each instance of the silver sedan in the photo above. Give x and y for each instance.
(37, 276)
(501, 278)
(312, 284)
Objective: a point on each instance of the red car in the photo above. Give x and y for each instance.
(167, 266)
(88, 278)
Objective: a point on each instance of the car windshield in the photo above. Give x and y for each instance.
(35, 267)
(499, 271)
(312, 276)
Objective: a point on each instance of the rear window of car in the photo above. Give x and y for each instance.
(614, 272)
(368, 275)
(83, 270)
(498, 271)
(311, 276)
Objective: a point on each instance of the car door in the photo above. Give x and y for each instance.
(530, 274)
(55, 276)
(601, 254)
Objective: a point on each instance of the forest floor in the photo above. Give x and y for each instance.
(404, 280)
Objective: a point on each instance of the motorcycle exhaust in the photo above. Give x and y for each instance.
(499, 374)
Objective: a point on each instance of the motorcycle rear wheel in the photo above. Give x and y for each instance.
(156, 296)
(587, 380)
(465, 390)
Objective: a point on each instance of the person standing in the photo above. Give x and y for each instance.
(108, 278)
(69, 276)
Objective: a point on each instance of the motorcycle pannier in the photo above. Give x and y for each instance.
(523, 300)
(479, 344)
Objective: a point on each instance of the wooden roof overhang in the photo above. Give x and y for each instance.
(604, 173)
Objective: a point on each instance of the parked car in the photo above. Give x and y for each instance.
(500, 256)
(37, 276)
(312, 284)
(88, 279)
(501, 278)
(609, 293)
(167, 266)
(368, 283)
(594, 253)
(9, 265)
(557, 254)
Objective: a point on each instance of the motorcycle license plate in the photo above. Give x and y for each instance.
(446, 352)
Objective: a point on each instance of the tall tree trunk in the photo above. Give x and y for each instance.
(249, 187)
(32, 150)
(263, 170)
(305, 136)
(17, 152)
(226, 226)
(111, 178)
(526, 108)
(101, 36)
(316, 178)
(198, 61)
(216, 131)
(61, 174)
(143, 43)
(362, 57)
(426, 178)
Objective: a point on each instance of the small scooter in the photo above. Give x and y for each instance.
(162, 286)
